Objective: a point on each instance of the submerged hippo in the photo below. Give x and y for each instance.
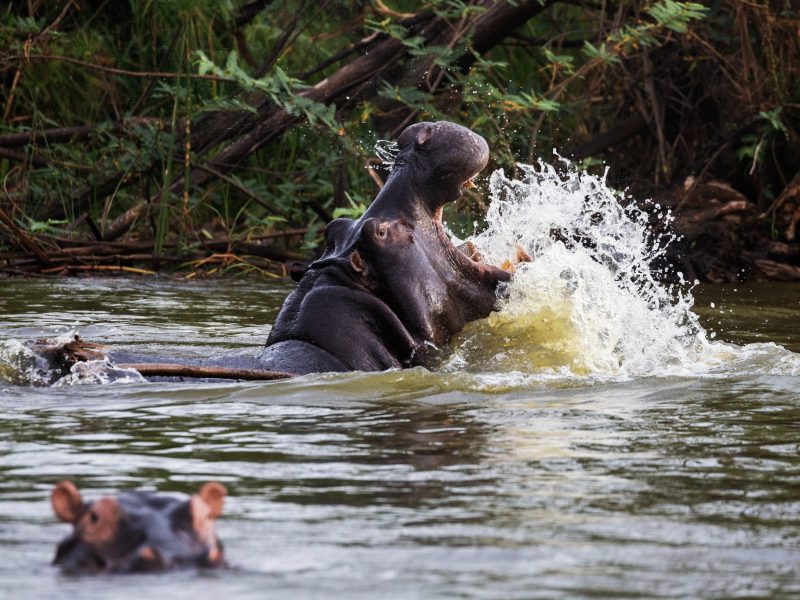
(391, 285)
(138, 531)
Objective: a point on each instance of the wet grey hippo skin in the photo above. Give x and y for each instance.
(138, 531)
(390, 285)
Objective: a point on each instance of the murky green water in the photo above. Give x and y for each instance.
(412, 484)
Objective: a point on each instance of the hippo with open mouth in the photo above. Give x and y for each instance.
(138, 531)
(390, 285)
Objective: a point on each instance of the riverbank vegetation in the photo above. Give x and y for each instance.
(220, 136)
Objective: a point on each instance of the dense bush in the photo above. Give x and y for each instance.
(197, 119)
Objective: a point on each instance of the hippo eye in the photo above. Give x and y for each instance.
(382, 231)
(93, 517)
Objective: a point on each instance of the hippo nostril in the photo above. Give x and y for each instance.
(93, 517)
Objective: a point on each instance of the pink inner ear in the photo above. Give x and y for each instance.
(424, 135)
(202, 522)
(213, 494)
(66, 501)
(356, 262)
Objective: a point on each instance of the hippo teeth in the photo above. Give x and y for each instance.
(472, 252)
(469, 184)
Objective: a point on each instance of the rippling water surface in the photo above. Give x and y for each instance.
(414, 484)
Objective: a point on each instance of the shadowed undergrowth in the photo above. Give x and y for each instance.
(221, 136)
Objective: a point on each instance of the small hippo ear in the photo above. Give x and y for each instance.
(357, 262)
(66, 501)
(213, 494)
(425, 134)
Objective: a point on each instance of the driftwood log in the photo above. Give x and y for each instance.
(202, 372)
(61, 356)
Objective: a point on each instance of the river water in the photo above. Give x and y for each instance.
(463, 483)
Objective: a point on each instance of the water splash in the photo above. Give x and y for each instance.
(98, 372)
(589, 303)
(387, 151)
(20, 364)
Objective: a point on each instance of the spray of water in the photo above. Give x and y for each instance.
(387, 151)
(20, 364)
(588, 304)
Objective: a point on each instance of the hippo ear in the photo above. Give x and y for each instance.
(66, 501)
(425, 134)
(213, 494)
(357, 262)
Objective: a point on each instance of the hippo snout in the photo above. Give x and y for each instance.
(442, 157)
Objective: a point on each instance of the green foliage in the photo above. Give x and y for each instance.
(602, 53)
(410, 96)
(753, 147)
(284, 91)
(565, 75)
(773, 119)
(677, 15)
(355, 210)
(395, 31)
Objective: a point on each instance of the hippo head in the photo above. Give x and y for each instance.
(441, 159)
(138, 531)
(435, 162)
(399, 249)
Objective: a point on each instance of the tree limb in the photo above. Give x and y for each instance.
(173, 370)
(360, 78)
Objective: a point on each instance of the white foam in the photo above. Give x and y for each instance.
(17, 363)
(387, 152)
(588, 304)
(21, 365)
(98, 372)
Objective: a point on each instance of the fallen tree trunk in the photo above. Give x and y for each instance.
(195, 371)
(382, 60)
(59, 255)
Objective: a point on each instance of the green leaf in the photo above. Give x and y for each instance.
(355, 210)
(600, 53)
(774, 119)
(563, 61)
(677, 15)
(410, 96)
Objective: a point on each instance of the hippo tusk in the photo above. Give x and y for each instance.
(520, 255)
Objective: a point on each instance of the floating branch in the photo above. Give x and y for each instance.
(173, 370)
